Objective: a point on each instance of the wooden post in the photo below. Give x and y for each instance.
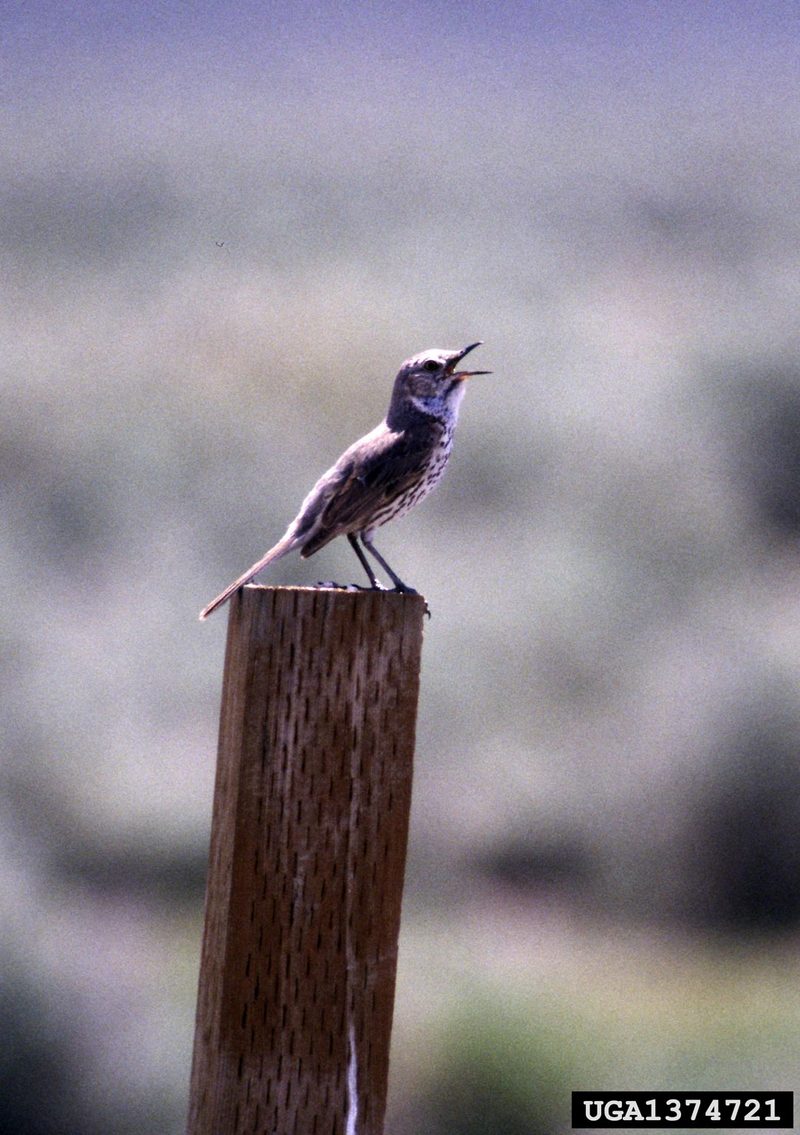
(308, 847)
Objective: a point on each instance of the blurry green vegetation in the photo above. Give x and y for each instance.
(212, 268)
(515, 1020)
(496, 1074)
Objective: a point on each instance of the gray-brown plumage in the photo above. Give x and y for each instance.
(383, 474)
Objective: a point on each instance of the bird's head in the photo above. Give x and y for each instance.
(432, 384)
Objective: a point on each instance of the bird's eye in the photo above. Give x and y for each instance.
(431, 365)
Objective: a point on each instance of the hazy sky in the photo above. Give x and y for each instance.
(451, 39)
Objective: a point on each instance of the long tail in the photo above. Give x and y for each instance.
(282, 548)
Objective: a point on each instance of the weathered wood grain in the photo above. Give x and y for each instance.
(306, 867)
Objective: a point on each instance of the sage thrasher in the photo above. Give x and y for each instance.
(384, 474)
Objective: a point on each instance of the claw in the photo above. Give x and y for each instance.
(331, 584)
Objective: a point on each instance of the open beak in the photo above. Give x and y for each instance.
(460, 375)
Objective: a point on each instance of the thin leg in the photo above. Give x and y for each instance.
(373, 579)
(396, 580)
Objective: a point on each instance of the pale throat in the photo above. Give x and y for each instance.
(445, 408)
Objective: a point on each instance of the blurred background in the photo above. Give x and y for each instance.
(223, 229)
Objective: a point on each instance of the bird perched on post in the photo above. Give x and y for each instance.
(384, 474)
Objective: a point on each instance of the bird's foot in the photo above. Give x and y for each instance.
(398, 590)
(330, 585)
(404, 589)
(348, 586)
